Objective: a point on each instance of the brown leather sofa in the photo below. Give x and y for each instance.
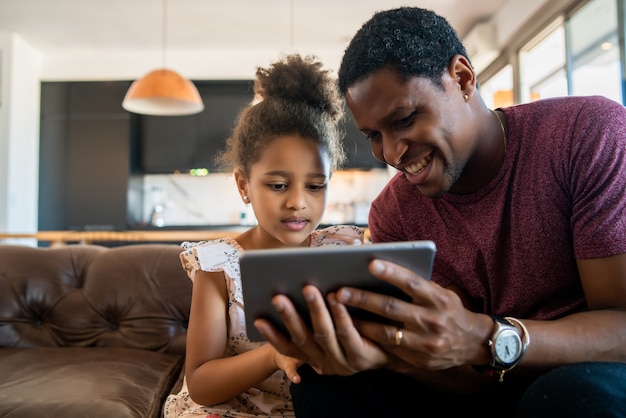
(91, 331)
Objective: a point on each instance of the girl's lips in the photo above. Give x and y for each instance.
(296, 224)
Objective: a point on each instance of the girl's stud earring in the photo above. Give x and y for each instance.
(465, 97)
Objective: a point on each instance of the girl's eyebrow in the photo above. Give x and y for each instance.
(288, 174)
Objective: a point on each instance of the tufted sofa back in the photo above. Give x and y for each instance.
(134, 296)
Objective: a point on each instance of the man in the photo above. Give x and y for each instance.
(526, 311)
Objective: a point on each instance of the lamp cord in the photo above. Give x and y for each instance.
(164, 34)
(291, 25)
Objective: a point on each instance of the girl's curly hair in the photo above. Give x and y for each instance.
(298, 97)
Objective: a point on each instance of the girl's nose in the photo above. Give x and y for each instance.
(296, 200)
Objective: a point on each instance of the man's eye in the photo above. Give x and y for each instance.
(373, 136)
(405, 122)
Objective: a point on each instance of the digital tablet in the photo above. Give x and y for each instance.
(265, 273)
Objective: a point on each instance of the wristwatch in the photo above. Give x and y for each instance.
(506, 346)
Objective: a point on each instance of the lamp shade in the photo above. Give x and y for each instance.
(163, 92)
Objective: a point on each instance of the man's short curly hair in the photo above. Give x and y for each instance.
(410, 40)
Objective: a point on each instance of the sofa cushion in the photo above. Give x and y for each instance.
(85, 382)
(91, 331)
(135, 296)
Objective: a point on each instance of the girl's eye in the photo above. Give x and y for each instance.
(277, 186)
(316, 187)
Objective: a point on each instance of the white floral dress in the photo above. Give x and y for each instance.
(271, 398)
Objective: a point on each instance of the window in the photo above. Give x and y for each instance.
(578, 53)
(595, 50)
(542, 66)
(498, 90)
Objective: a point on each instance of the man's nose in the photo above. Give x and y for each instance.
(392, 148)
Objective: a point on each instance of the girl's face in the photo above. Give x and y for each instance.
(287, 188)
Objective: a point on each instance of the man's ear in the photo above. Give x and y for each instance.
(462, 72)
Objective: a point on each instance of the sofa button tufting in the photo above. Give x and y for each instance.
(131, 366)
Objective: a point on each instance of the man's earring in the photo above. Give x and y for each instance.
(466, 97)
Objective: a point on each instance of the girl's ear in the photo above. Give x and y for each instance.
(242, 185)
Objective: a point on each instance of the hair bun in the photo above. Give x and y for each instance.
(300, 79)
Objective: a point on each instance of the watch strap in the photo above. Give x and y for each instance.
(525, 336)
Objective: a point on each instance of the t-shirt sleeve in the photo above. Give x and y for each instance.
(338, 235)
(598, 183)
(206, 255)
(386, 221)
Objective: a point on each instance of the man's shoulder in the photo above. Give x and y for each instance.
(567, 115)
(568, 104)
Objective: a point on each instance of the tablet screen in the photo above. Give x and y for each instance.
(267, 272)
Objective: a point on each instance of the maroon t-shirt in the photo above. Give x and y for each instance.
(560, 195)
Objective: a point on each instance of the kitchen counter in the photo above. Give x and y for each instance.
(142, 233)
(93, 237)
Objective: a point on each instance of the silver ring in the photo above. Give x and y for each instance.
(399, 337)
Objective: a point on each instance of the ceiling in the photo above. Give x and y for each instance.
(218, 37)
(50, 25)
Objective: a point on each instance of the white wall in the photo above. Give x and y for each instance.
(5, 43)
(19, 134)
(189, 200)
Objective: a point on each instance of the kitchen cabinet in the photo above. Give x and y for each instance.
(169, 144)
(180, 143)
(357, 146)
(84, 156)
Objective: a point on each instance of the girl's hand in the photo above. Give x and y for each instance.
(332, 346)
(289, 365)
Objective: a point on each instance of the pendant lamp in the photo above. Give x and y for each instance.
(163, 92)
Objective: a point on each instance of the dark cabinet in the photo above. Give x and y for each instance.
(358, 149)
(170, 144)
(84, 156)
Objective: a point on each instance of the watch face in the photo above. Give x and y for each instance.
(508, 346)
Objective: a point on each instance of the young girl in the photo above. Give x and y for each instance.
(282, 152)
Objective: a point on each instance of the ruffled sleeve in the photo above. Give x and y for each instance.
(338, 235)
(214, 255)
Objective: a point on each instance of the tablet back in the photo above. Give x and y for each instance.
(267, 272)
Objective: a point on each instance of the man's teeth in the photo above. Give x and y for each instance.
(419, 166)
